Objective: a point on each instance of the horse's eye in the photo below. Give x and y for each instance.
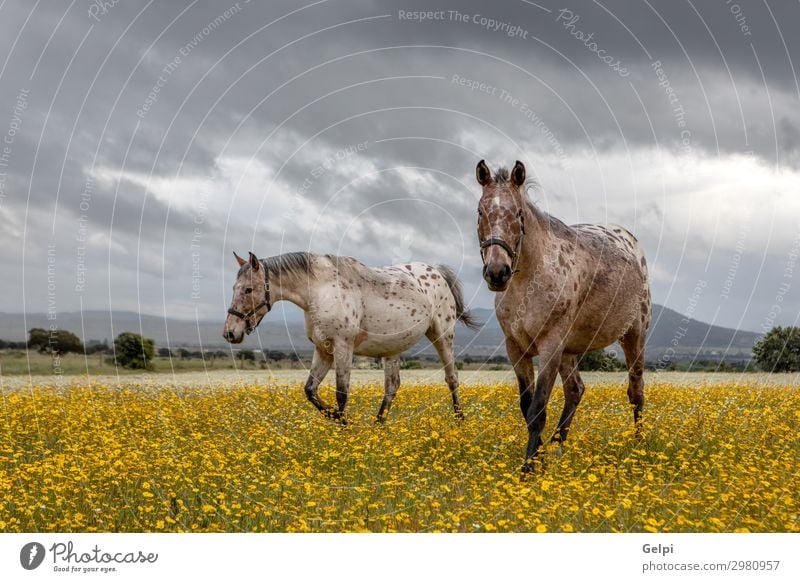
(248, 290)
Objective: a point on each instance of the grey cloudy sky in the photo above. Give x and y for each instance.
(143, 142)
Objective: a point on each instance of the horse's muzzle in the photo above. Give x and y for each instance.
(497, 276)
(231, 337)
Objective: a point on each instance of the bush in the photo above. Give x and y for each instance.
(274, 355)
(410, 365)
(779, 350)
(96, 347)
(599, 361)
(134, 351)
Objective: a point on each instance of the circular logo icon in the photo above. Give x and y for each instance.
(31, 555)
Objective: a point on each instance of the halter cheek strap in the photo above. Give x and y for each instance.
(266, 303)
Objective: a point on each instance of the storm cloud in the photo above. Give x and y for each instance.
(146, 141)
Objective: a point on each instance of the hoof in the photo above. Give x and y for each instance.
(459, 414)
(381, 418)
(340, 417)
(531, 467)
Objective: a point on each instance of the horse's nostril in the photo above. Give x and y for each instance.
(498, 276)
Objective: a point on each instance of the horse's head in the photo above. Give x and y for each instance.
(251, 299)
(500, 222)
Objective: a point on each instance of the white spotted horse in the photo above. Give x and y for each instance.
(352, 309)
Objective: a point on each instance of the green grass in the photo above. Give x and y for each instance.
(17, 362)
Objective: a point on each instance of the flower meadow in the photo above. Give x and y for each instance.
(235, 456)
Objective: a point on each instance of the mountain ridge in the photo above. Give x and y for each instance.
(671, 333)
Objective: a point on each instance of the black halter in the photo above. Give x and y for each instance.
(266, 303)
(513, 253)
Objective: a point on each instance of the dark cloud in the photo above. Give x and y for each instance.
(250, 98)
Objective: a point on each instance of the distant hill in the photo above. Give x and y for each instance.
(691, 335)
(104, 325)
(670, 332)
(284, 330)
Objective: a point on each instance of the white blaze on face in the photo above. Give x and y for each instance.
(496, 200)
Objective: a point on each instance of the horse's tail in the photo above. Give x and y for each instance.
(462, 313)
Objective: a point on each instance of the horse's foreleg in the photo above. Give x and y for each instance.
(391, 372)
(523, 368)
(343, 360)
(573, 391)
(537, 411)
(320, 364)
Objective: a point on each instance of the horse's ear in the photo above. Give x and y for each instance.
(518, 174)
(254, 262)
(483, 174)
(239, 259)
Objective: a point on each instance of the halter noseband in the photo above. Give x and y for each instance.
(513, 253)
(266, 303)
(500, 243)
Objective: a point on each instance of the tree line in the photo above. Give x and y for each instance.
(777, 351)
(131, 350)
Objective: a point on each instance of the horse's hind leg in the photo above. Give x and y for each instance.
(573, 391)
(633, 345)
(343, 360)
(391, 371)
(320, 364)
(444, 347)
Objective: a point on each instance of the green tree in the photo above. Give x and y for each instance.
(779, 350)
(134, 351)
(38, 339)
(66, 341)
(599, 361)
(57, 341)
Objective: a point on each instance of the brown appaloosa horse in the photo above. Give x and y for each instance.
(561, 291)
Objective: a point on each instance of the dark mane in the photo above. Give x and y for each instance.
(297, 263)
(503, 176)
